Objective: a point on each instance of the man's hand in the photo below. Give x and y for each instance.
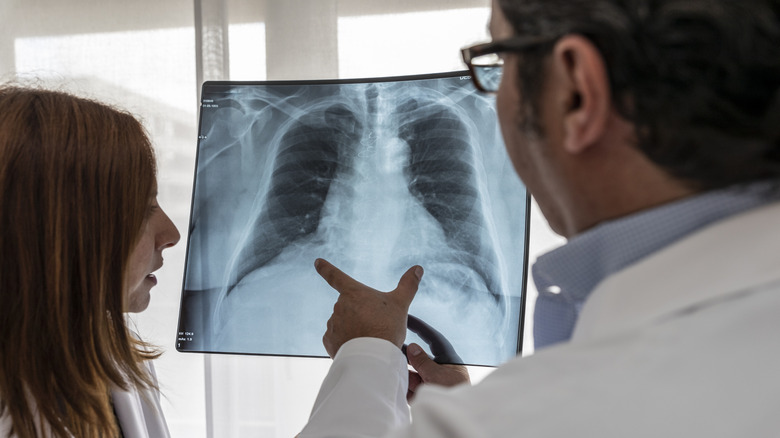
(365, 312)
(430, 372)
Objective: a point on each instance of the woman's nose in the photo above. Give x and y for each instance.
(168, 235)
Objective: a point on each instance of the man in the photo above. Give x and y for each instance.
(649, 134)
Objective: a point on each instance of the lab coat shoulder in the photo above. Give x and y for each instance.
(717, 263)
(139, 413)
(5, 422)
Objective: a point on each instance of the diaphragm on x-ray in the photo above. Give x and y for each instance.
(373, 175)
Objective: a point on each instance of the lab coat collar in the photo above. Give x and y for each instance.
(138, 410)
(726, 258)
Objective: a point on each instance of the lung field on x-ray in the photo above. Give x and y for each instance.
(310, 153)
(375, 177)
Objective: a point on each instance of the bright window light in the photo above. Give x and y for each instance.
(247, 52)
(421, 42)
(118, 62)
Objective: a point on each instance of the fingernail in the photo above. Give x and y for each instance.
(418, 271)
(317, 263)
(414, 349)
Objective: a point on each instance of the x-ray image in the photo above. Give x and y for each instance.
(373, 175)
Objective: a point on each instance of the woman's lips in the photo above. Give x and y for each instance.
(152, 278)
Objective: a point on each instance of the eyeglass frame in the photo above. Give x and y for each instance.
(511, 44)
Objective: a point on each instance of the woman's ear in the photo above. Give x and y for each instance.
(587, 98)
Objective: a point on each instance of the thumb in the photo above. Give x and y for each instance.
(407, 286)
(420, 361)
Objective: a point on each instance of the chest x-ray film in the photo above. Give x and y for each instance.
(373, 175)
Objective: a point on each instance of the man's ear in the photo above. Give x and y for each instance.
(588, 98)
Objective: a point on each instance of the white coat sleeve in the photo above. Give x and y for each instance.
(363, 394)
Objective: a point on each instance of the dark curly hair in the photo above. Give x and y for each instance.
(700, 79)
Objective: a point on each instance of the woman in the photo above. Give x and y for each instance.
(80, 235)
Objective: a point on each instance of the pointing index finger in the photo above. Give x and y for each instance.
(337, 279)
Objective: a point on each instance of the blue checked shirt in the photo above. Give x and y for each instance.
(566, 276)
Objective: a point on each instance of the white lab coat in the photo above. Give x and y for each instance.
(139, 413)
(684, 343)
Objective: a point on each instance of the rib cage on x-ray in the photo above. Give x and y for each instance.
(375, 177)
(442, 176)
(309, 154)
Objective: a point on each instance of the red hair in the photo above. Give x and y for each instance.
(76, 179)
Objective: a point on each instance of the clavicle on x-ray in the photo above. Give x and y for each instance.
(373, 175)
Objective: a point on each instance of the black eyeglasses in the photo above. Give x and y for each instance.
(485, 64)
